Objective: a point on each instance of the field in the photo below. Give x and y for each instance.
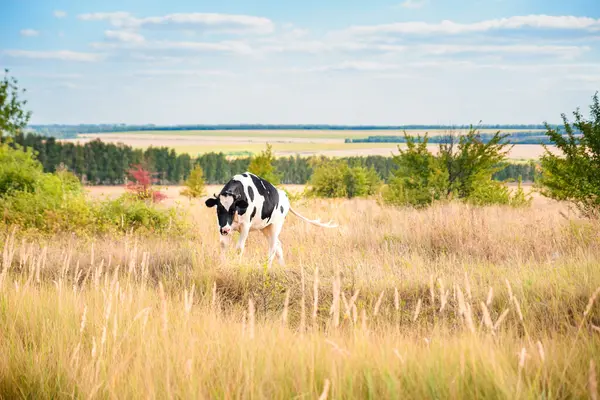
(449, 302)
(285, 142)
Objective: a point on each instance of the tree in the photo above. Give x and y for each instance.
(194, 185)
(262, 165)
(334, 178)
(419, 179)
(574, 174)
(13, 117)
(463, 169)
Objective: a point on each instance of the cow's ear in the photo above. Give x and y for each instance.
(241, 206)
(211, 202)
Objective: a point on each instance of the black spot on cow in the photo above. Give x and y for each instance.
(245, 175)
(270, 194)
(253, 214)
(251, 193)
(281, 208)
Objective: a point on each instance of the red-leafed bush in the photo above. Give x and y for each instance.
(141, 185)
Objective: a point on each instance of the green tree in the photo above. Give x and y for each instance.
(419, 179)
(334, 178)
(574, 174)
(194, 185)
(13, 117)
(263, 166)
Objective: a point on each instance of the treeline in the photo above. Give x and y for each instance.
(97, 162)
(513, 137)
(69, 131)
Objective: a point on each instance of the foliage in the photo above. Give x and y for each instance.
(263, 166)
(463, 169)
(194, 185)
(420, 177)
(127, 213)
(574, 174)
(470, 162)
(141, 185)
(334, 178)
(13, 117)
(56, 202)
(97, 162)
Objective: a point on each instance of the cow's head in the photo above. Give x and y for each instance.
(227, 205)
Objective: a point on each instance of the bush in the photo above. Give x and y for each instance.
(334, 178)
(463, 169)
(574, 175)
(128, 213)
(194, 185)
(19, 170)
(141, 185)
(420, 177)
(263, 166)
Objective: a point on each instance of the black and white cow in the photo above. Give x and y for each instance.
(247, 203)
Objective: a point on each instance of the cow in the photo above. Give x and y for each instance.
(248, 203)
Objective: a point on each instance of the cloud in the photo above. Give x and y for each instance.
(59, 13)
(29, 32)
(184, 73)
(64, 55)
(318, 46)
(350, 66)
(447, 27)
(413, 4)
(552, 50)
(206, 22)
(124, 36)
(231, 47)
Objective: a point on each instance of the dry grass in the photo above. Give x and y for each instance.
(450, 302)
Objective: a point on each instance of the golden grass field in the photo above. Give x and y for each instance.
(285, 142)
(451, 302)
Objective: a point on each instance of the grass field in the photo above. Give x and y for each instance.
(285, 143)
(449, 302)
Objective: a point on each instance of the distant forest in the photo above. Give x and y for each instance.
(96, 162)
(71, 131)
(512, 137)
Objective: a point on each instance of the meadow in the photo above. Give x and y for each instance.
(285, 142)
(453, 301)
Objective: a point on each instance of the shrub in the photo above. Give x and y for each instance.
(420, 177)
(334, 178)
(19, 170)
(194, 185)
(141, 185)
(263, 166)
(574, 175)
(463, 169)
(128, 213)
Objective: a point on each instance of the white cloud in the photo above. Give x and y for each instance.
(29, 32)
(207, 22)
(351, 66)
(124, 36)
(317, 46)
(552, 50)
(64, 55)
(184, 72)
(413, 4)
(452, 28)
(59, 13)
(231, 47)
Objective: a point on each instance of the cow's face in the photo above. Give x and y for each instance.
(227, 207)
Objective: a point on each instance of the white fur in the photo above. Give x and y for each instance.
(226, 201)
(271, 228)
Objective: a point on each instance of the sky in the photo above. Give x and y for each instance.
(379, 62)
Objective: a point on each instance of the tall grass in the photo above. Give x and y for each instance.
(449, 302)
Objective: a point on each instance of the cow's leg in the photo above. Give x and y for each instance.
(224, 242)
(241, 244)
(272, 234)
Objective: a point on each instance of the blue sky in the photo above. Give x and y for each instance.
(336, 62)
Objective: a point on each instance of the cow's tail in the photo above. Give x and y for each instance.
(316, 222)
